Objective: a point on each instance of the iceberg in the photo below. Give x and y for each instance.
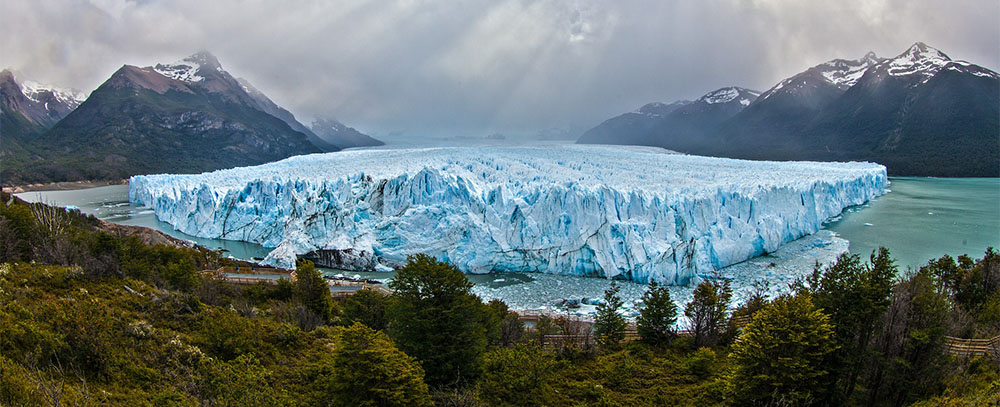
(637, 213)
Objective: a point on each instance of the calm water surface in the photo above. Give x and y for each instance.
(925, 218)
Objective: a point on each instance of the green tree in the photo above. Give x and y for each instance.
(974, 285)
(609, 325)
(911, 343)
(707, 311)
(517, 376)
(367, 307)
(436, 319)
(504, 327)
(779, 359)
(855, 296)
(369, 371)
(657, 316)
(312, 290)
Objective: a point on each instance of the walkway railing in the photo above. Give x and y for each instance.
(971, 347)
(586, 337)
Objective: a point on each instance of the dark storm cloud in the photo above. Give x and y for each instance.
(479, 66)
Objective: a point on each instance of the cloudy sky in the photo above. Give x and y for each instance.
(471, 66)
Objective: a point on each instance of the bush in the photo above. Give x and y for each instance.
(516, 376)
(367, 370)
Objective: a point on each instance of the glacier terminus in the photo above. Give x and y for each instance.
(639, 213)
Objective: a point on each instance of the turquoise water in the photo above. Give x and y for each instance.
(926, 218)
(111, 203)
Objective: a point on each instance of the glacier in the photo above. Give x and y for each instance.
(638, 213)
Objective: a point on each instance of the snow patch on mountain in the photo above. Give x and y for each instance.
(185, 70)
(659, 109)
(729, 94)
(842, 73)
(966, 67)
(845, 72)
(630, 212)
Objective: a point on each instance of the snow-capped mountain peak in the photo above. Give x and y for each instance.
(920, 59)
(43, 105)
(729, 94)
(35, 92)
(842, 73)
(187, 69)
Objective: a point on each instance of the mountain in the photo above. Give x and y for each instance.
(265, 105)
(682, 126)
(919, 113)
(631, 128)
(189, 116)
(39, 104)
(28, 109)
(341, 136)
(788, 107)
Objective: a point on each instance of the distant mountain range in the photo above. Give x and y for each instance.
(188, 116)
(341, 136)
(919, 113)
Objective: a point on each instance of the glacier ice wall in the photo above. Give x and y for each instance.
(638, 213)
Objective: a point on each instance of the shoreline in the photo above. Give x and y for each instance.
(62, 186)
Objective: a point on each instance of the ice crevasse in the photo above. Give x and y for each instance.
(638, 213)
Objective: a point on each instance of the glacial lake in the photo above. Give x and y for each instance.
(920, 219)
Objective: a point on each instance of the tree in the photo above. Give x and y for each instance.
(508, 326)
(609, 325)
(707, 311)
(369, 371)
(657, 316)
(779, 359)
(855, 296)
(972, 284)
(367, 307)
(312, 291)
(516, 376)
(911, 343)
(435, 318)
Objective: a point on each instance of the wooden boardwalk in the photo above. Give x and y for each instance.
(582, 328)
(250, 275)
(972, 347)
(270, 275)
(344, 288)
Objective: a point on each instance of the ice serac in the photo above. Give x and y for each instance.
(643, 214)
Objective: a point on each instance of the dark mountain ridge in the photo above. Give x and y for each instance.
(920, 113)
(191, 116)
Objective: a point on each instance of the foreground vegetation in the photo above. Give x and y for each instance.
(91, 317)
